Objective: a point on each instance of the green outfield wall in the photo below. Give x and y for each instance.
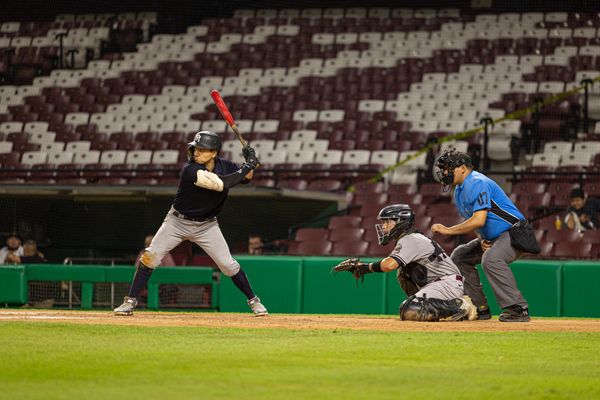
(289, 284)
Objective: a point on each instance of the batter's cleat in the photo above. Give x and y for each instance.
(127, 307)
(484, 313)
(257, 307)
(515, 314)
(469, 307)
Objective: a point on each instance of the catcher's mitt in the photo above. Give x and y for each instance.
(353, 265)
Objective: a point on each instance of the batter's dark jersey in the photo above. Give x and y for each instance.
(197, 202)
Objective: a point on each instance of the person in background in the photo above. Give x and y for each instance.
(31, 255)
(582, 213)
(13, 247)
(255, 244)
(167, 260)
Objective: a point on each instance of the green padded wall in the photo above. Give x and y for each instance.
(188, 275)
(306, 285)
(119, 273)
(540, 281)
(82, 273)
(277, 280)
(581, 289)
(13, 284)
(329, 293)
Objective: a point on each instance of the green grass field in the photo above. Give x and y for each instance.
(71, 361)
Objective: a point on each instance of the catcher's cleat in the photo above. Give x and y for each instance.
(257, 307)
(471, 309)
(127, 307)
(483, 313)
(465, 311)
(515, 314)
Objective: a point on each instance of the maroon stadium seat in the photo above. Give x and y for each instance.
(344, 221)
(572, 250)
(563, 236)
(320, 248)
(311, 234)
(346, 234)
(354, 248)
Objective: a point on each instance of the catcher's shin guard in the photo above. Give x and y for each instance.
(424, 309)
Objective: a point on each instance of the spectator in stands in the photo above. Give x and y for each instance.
(167, 260)
(13, 247)
(582, 213)
(255, 244)
(31, 254)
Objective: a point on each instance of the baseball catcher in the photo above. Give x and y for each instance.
(427, 275)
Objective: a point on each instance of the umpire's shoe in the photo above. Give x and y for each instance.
(257, 307)
(127, 307)
(515, 314)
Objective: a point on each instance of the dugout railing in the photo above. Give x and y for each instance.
(103, 286)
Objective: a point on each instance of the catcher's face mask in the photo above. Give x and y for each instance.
(383, 230)
(395, 219)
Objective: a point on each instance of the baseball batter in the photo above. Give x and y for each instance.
(425, 272)
(203, 187)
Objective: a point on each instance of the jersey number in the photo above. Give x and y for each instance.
(438, 253)
(482, 198)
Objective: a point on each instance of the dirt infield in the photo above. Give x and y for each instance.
(288, 321)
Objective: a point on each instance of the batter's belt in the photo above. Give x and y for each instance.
(177, 214)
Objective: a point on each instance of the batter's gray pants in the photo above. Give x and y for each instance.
(205, 234)
(495, 263)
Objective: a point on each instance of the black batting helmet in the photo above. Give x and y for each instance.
(404, 217)
(204, 140)
(446, 163)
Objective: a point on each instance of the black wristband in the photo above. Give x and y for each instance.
(376, 267)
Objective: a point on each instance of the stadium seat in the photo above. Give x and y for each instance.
(311, 234)
(346, 221)
(353, 248)
(346, 234)
(572, 250)
(315, 248)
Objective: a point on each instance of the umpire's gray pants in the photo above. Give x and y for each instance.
(495, 263)
(205, 234)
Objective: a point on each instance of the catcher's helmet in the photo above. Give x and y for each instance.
(446, 163)
(204, 140)
(404, 217)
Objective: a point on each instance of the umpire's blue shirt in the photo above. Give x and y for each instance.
(478, 192)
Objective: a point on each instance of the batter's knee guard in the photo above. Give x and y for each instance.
(424, 309)
(149, 259)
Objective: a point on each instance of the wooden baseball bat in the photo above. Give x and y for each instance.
(224, 110)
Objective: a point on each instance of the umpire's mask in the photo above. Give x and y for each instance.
(404, 219)
(447, 162)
